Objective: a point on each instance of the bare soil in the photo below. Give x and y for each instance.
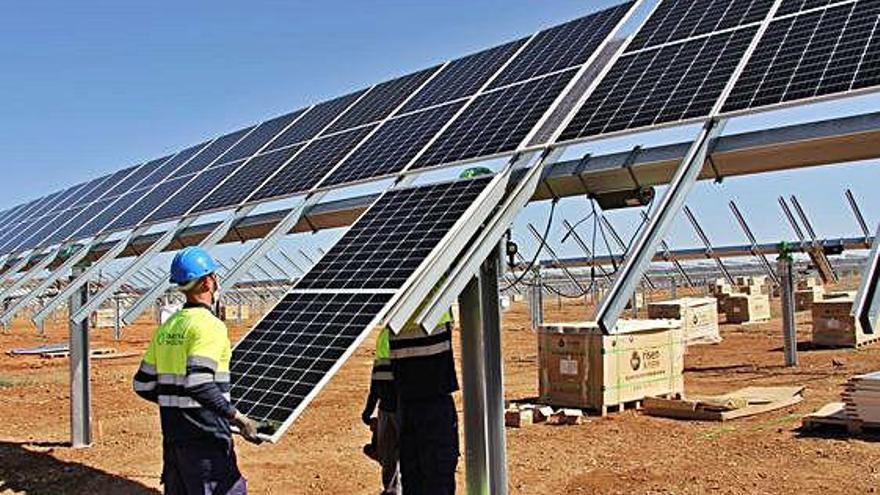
(626, 453)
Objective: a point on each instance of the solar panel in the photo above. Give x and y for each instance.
(179, 203)
(289, 355)
(671, 83)
(211, 153)
(675, 20)
(564, 46)
(310, 165)
(254, 141)
(248, 178)
(830, 51)
(496, 122)
(393, 146)
(381, 100)
(463, 77)
(293, 349)
(162, 167)
(132, 208)
(317, 118)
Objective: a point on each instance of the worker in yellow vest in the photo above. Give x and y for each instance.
(386, 427)
(186, 371)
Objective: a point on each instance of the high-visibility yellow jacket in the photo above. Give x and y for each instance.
(186, 371)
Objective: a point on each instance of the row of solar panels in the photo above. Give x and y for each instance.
(673, 71)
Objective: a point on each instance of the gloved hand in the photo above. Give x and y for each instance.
(366, 416)
(247, 428)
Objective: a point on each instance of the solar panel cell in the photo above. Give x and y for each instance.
(830, 51)
(463, 77)
(393, 146)
(382, 99)
(308, 167)
(670, 83)
(794, 6)
(675, 20)
(496, 122)
(238, 187)
(567, 45)
(139, 203)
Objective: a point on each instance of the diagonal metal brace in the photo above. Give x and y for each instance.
(83, 278)
(18, 283)
(147, 300)
(135, 266)
(649, 238)
(867, 303)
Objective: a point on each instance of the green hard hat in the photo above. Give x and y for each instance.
(475, 172)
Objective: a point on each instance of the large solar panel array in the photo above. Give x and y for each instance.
(833, 50)
(423, 119)
(293, 350)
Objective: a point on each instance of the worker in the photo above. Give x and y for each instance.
(386, 428)
(186, 371)
(424, 375)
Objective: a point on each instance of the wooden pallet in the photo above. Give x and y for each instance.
(833, 416)
(857, 345)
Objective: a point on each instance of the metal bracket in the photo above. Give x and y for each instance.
(211, 240)
(867, 303)
(649, 238)
(134, 267)
(265, 244)
(83, 278)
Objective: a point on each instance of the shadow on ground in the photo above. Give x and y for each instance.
(30, 468)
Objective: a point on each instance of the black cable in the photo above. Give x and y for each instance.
(537, 252)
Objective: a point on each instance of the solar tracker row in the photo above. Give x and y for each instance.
(254, 141)
(667, 84)
(288, 356)
(675, 20)
(317, 118)
(830, 51)
(211, 153)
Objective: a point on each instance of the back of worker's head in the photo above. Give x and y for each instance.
(193, 270)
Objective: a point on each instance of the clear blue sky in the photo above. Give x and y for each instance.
(90, 87)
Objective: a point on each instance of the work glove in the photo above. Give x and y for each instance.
(247, 428)
(366, 416)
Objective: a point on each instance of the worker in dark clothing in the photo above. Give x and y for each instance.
(186, 371)
(385, 444)
(424, 374)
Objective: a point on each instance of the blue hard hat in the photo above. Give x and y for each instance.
(190, 264)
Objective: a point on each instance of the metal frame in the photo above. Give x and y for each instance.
(867, 303)
(135, 266)
(163, 284)
(710, 252)
(755, 249)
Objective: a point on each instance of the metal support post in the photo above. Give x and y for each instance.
(623, 248)
(860, 219)
(473, 391)
(786, 294)
(649, 238)
(867, 304)
(753, 243)
(710, 253)
(117, 320)
(81, 280)
(80, 388)
(669, 257)
(494, 373)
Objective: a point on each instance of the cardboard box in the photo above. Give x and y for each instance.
(804, 298)
(581, 367)
(231, 312)
(748, 308)
(833, 326)
(104, 318)
(698, 315)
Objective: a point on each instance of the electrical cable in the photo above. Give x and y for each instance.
(531, 265)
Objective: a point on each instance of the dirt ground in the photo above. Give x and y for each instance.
(627, 453)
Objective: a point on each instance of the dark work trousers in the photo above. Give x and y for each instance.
(388, 450)
(201, 469)
(428, 446)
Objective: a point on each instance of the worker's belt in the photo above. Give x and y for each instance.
(382, 370)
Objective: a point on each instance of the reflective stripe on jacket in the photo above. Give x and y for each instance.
(423, 364)
(186, 371)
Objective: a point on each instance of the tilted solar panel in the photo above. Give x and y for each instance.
(832, 51)
(283, 362)
(257, 139)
